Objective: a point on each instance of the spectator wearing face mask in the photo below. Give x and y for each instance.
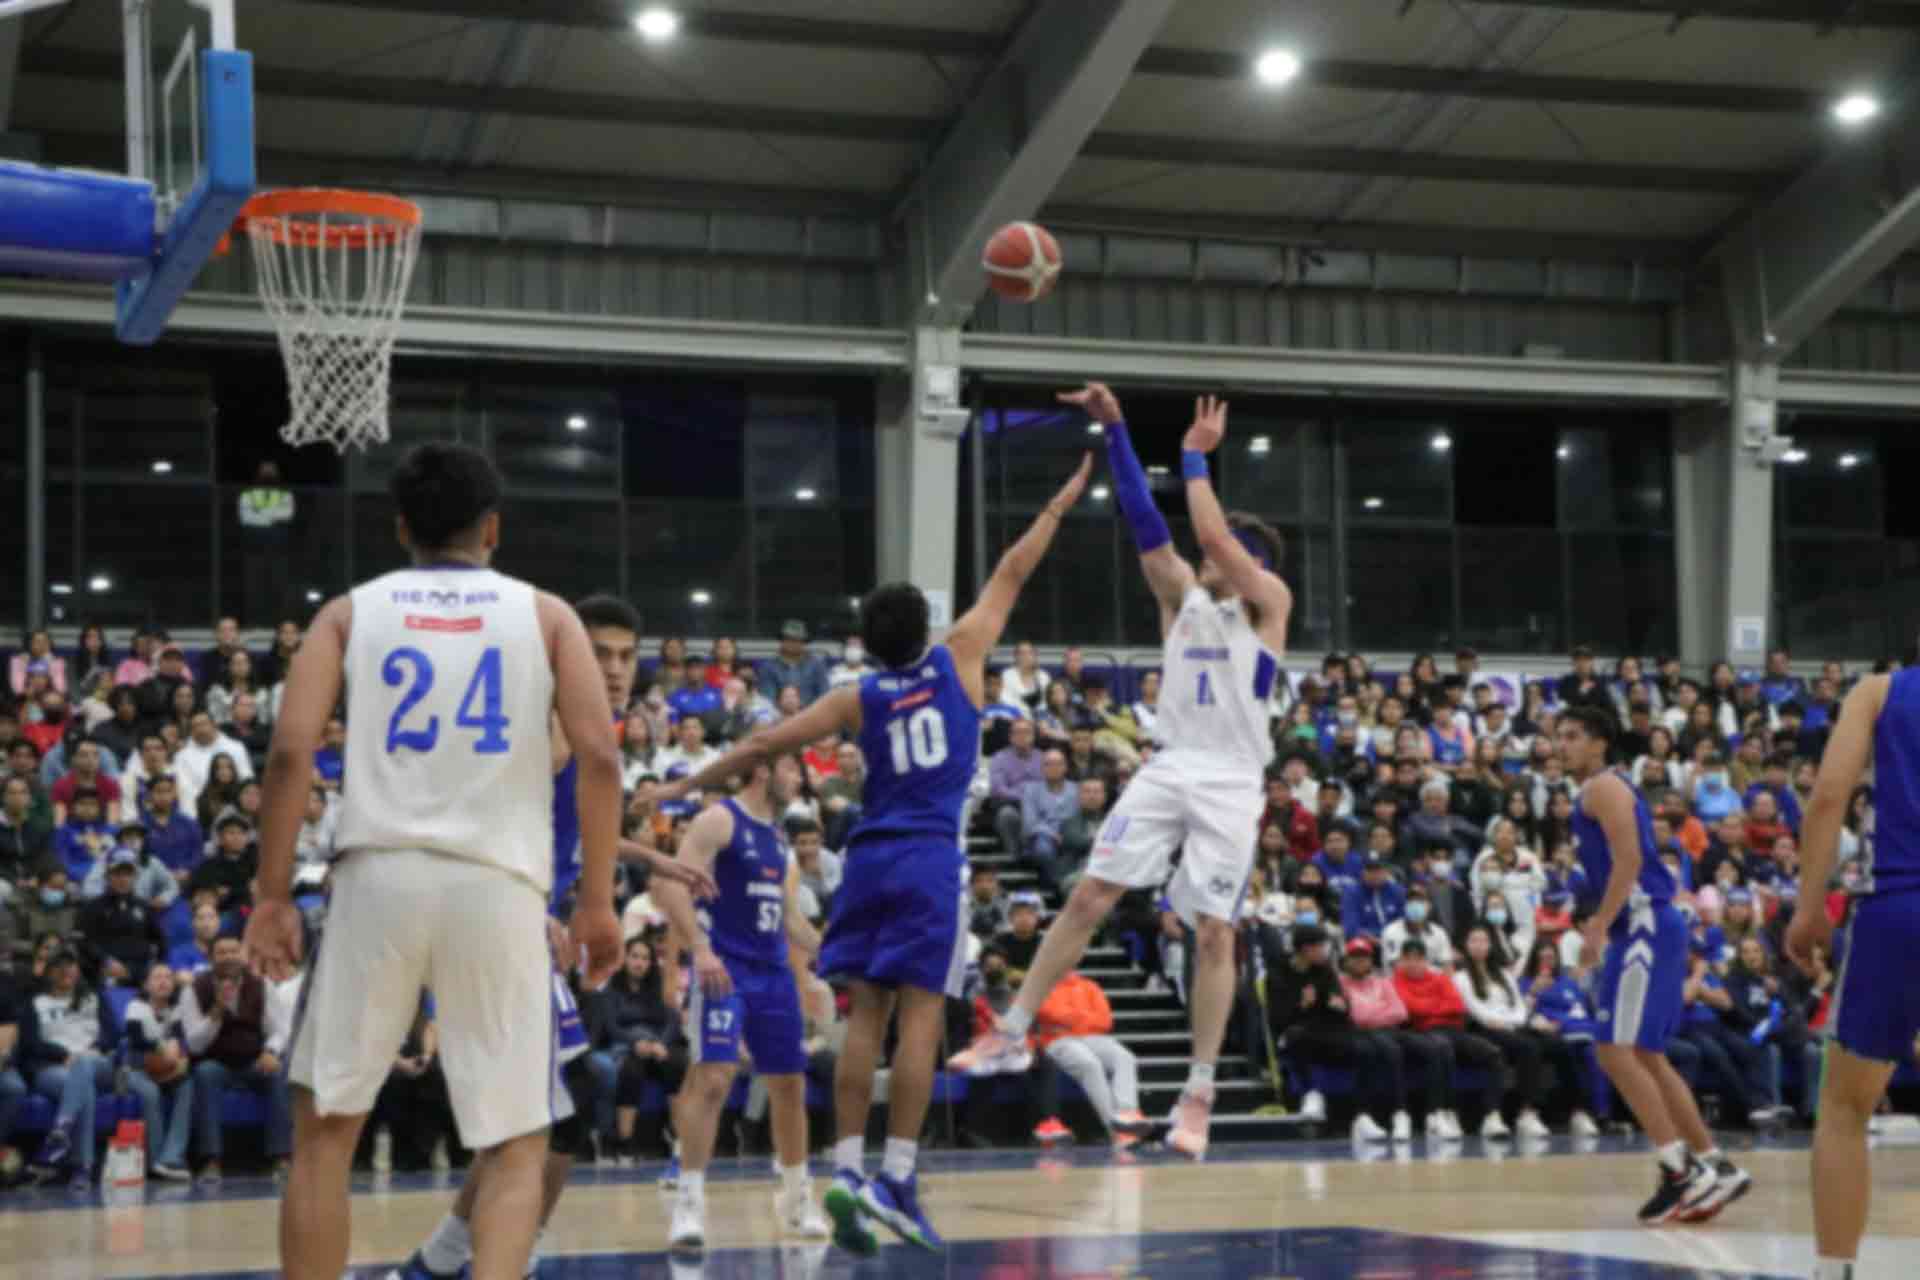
(852, 665)
(1713, 795)
(1417, 922)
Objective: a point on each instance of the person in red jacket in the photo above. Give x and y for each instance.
(1071, 1027)
(1287, 813)
(1436, 1008)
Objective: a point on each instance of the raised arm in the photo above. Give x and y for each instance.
(1845, 760)
(1250, 576)
(1168, 576)
(837, 712)
(973, 637)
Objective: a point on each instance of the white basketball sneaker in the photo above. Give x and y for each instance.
(799, 1215)
(688, 1232)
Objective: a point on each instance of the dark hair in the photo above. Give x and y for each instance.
(894, 624)
(1595, 722)
(803, 827)
(442, 490)
(608, 611)
(1269, 537)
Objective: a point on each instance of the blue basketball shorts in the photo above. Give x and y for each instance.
(1876, 1005)
(763, 1012)
(1638, 996)
(896, 917)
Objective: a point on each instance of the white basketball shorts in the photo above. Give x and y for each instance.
(1211, 806)
(403, 921)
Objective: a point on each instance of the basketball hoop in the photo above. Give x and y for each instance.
(333, 270)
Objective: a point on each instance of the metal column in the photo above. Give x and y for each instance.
(36, 504)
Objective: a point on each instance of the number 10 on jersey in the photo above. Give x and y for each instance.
(919, 741)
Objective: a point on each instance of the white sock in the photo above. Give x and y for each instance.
(793, 1180)
(1673, 1156)
(1016, 1022)
(539, 1242)
(693, 1185)
(848, 1154)
(1833, 1269)
(450, 1247)
(1711, 1157)
(1199, 1076)
(897, 1162)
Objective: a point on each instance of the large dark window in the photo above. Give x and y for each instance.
(1406, 527)
(716, 503)
(1846, 577)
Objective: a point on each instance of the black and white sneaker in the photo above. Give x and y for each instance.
(1730, 1182)
(1679, 1193)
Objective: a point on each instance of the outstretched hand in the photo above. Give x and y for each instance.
(1070, 491)
(1097, 399)
(1209, 424)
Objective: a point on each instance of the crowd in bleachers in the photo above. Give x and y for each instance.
(1408, 933)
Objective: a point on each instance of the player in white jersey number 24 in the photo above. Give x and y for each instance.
(1225, 628)
(446, 862)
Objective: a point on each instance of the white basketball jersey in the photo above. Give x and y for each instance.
(449, 696)
(1216, 679)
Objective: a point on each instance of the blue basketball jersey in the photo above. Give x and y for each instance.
(1890, 844)
(566, 835)
(920, 734)
(747, 922)
(1596, 859)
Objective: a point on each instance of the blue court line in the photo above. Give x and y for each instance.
(1317, 1253)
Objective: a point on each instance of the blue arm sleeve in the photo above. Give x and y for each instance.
(1149, 527)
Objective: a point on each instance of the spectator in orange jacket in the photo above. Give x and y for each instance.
(1071, 1028)
(1436, 1008)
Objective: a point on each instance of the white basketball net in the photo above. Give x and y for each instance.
(334, 284)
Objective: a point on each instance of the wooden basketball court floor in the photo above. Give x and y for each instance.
(1308, 1211)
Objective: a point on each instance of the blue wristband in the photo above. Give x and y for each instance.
(1193, 465)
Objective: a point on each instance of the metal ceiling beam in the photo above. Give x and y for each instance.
(1479, 242)
(710, 24)
(553, 104)
(1376, 162)
(1799, 257)
(294, 168)
(1496, 84)
(1823, 15)
(1334, 73)
(280, 82)
(1017, 137)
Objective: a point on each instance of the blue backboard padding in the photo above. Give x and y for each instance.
(226, 80)
(89, 226)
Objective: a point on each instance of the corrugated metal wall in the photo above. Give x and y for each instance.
(519, 255)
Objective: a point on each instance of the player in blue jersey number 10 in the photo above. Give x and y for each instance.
(896, 933)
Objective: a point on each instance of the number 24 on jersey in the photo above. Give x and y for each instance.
(479, 706)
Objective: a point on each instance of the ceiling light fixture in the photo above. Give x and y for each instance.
(1856, 108)
(657, 24)
(1276, 67)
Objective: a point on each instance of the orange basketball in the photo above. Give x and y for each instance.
(1022, 261)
